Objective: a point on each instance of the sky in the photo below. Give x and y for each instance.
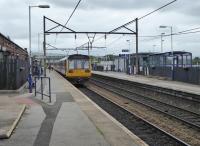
(99, 15)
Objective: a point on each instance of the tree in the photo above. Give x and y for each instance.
(196, 60)
(110, 57)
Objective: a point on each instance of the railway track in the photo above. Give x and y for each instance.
(151, 134)
(187, 117)
(174, 94)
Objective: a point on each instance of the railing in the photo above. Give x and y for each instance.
(42, 87)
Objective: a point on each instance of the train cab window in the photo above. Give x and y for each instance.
(71, 64)
(82, 64)
(79, 64)
(1, 57)
(86, 64)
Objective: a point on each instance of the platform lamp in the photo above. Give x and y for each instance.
(30, 71)
(162, 34)
(129, 50)
(172, 52)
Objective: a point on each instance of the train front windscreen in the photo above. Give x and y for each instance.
(79, 64)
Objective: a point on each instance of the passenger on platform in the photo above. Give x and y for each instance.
(30, 83)
(37, 71)
(50, 67)
(130, 71)
(41, 70)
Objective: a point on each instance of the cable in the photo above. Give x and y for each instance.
(68, 19)
(157, 9)
(71, 14)
(119, 38)
(187, 33)
(177, 33)
(189, 30)
(184, 32)
(130, 22)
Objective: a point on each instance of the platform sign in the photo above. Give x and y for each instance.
(123, 55)
(125, 50)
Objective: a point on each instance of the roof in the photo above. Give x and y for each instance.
(144, 53)
(78, 56)
(65, 58)
(11, 41)
(170, 53)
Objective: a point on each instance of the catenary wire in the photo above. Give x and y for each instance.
(71, 14)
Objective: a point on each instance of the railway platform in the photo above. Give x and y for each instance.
(81, 122)
(71, 119)
(172, 85)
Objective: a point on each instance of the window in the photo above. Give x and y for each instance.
(79, 64)
(71, 64)
(1, 55)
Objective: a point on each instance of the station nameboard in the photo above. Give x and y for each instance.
(125, 50)
(123, 55)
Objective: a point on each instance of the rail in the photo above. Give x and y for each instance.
(167, 109)
(148, 132)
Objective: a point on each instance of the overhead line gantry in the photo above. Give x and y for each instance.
(71, 31)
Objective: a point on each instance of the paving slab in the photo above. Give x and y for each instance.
(9, 112)
(73, 128)
(12, 107)
(27, 129)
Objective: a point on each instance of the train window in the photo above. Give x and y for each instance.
(79, 64)
(82, 64)
(86, 64)
(1, 56)
(71, 64)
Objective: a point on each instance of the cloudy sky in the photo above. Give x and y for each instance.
(99, 15)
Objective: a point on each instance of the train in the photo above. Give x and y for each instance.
(76, 68)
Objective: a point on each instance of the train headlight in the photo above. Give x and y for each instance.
(87, 71)
(71, 71)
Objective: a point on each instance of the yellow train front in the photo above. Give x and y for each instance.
(76, 68)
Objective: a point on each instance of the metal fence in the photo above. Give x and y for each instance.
(13, 72)
(187, 74)
(160, 71)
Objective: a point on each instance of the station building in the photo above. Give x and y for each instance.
(14, 64)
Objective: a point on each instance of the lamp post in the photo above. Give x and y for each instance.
(171, 29)
(172, 52)
(38, 6)
(162, 42)
(129, 57)
(30, 71)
